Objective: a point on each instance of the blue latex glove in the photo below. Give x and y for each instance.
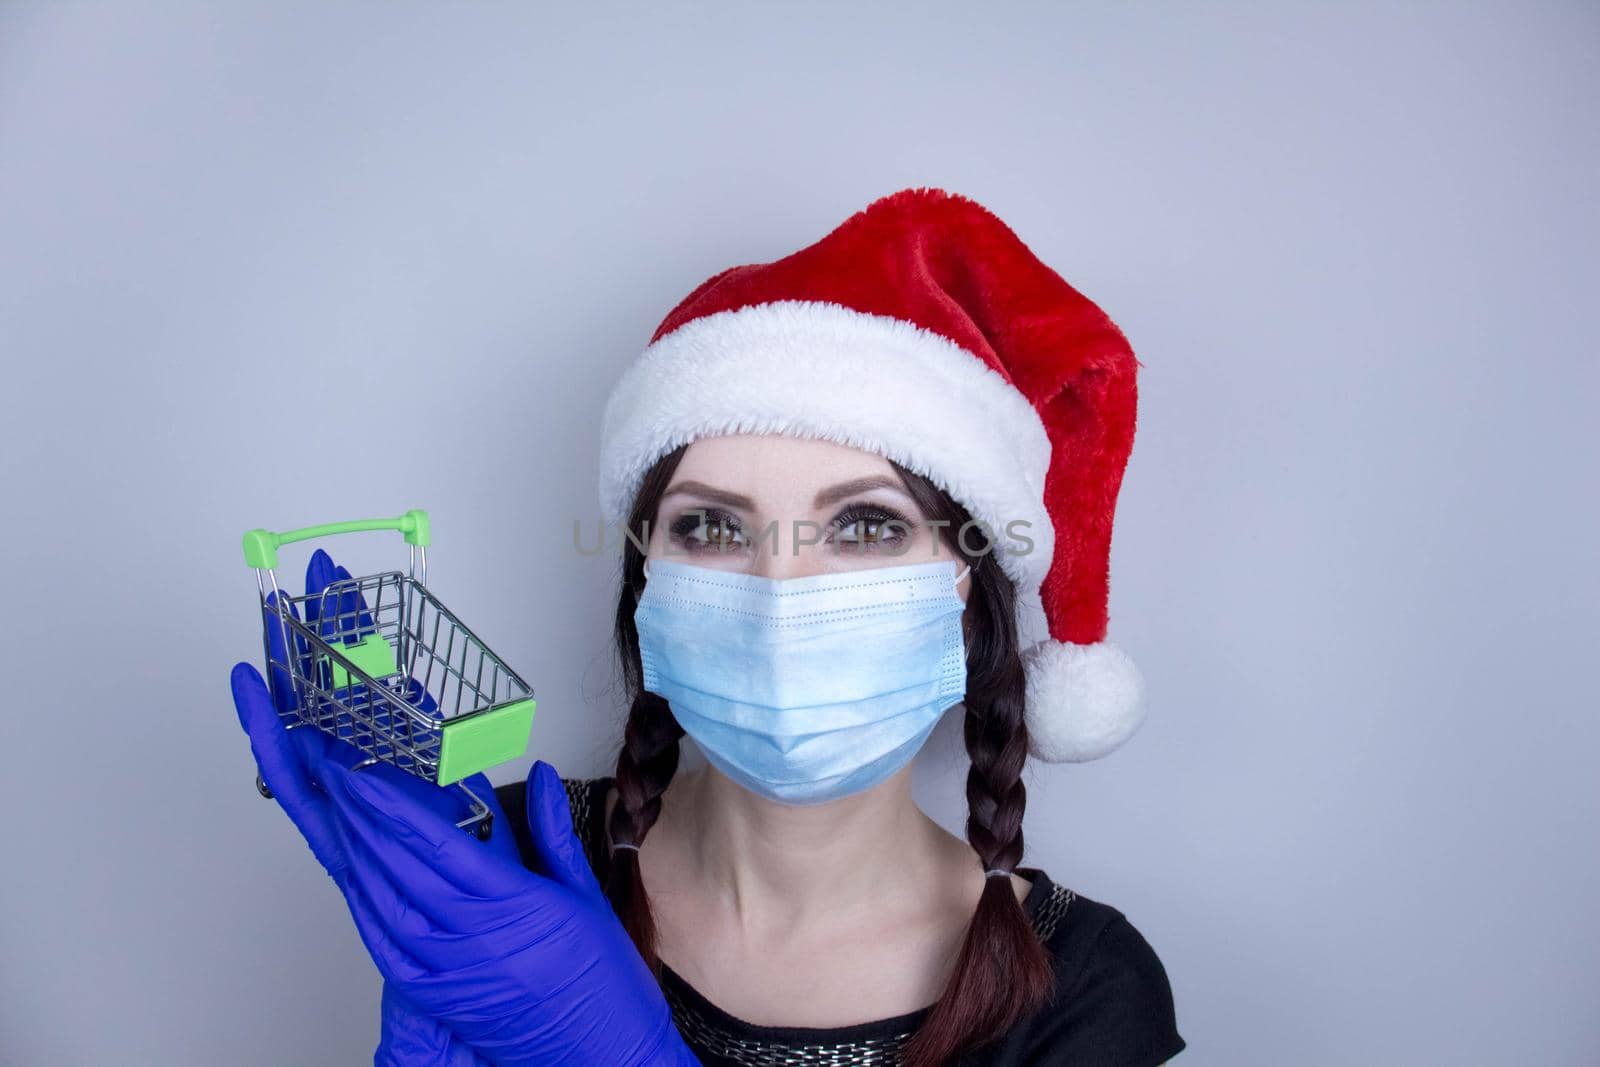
(529, 968)
(285, 759)
(412, 1038)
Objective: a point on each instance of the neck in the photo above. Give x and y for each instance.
(780, 866)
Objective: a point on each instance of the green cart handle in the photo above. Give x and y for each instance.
(261, 546)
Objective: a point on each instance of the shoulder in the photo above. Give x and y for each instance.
(1113, 1002)
(587, 799)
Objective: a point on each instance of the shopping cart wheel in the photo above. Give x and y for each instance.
(485, 827)
(261, 787)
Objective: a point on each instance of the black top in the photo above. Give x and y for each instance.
(1113, 1004)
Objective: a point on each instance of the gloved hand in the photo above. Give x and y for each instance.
(285, 759)
(528, 968)
(410, 1037)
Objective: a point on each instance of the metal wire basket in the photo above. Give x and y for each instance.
(378, 661)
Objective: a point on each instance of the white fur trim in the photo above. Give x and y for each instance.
(817, 369)
(1083, 701)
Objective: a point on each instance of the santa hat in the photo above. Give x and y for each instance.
(923, 329)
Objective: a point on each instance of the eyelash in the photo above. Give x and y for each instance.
(865, 514)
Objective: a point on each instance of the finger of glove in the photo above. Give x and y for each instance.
(282, 767)
(429, 920)
(279, 678)
(561, 855)
(405, 790)
(422, 917)
(319, 575)
(359, 611)
(341, 615)
(424, 851)
(354, 618)
(407, 1036)
(343, 620)
(322, 572)
(481, 1008)
(285, 694)
(390, 955)
(317, 749)
(447, 872)
(410, 1037)
(334, 602)
(501, 838)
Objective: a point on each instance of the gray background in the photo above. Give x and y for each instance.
(282, 265)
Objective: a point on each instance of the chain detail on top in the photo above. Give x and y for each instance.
(708, 1037)
(578, 798)
(1051, 909)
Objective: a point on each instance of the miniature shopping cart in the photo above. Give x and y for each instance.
(379, 662)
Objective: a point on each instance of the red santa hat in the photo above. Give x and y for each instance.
(924, 330)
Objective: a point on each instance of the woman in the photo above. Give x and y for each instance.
(842, 475)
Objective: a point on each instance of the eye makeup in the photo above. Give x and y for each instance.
(860, 528)
(866, 527)
(713, 530)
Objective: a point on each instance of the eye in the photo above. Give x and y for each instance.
(868, 526)
(708, 530)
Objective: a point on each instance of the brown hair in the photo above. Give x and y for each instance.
(1002, 972)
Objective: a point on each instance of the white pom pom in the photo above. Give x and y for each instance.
(1084, 701)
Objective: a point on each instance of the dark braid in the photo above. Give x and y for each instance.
(1003, 971)
(996, 736)
(645, 766)
(649, 755)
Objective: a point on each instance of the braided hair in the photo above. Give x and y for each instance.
(1002, 972)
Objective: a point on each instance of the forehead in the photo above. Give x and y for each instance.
(776, 469)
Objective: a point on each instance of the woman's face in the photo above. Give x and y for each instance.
(785, 507)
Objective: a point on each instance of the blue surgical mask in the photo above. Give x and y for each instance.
(805, 690)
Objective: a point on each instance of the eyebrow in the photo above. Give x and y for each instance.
(831, 495)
